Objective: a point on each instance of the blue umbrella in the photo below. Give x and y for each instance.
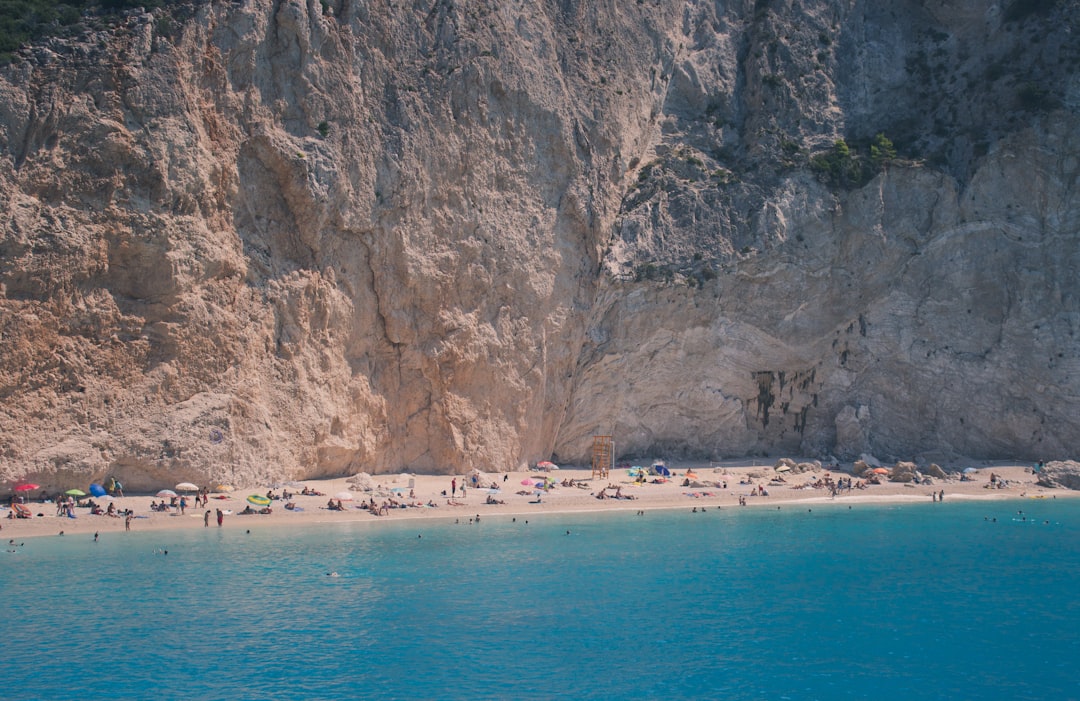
(97, 490)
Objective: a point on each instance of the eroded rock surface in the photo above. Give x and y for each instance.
(296, 239)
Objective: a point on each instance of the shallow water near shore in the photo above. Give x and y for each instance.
(932, 601)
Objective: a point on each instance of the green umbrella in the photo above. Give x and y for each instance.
(75, 493)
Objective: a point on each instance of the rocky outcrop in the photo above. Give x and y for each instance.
(1060, 473)
(295, 239)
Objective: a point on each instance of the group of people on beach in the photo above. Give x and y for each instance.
(602, 494)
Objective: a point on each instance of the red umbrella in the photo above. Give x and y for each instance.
(27, 487)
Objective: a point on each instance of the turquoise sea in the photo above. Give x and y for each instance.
(931, 601)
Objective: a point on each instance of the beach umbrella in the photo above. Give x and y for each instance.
(97, 490)
(224, 488)
(166, 493)
(783, 468)
(969, 470)
(880, 471)
(75, 493)
(547, 465)
(344, 496)
(186, 487)
(527, 482)
(26, 487)
(258, 500)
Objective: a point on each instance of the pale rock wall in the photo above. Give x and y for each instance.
(281, 241)
(910, 318)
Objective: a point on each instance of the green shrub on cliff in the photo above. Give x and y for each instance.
(882, 151)
(838, 165)
(842, 166)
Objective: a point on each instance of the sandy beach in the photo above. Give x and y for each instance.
(517, 495)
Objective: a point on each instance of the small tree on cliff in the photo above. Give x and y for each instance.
(882, 151)
(838, 165)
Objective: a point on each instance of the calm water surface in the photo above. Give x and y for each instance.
(930, 601)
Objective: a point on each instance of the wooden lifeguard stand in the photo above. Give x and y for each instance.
(603, 456)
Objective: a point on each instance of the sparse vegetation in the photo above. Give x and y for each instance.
(651, 271)
(24, 21)
(844, 167)
(838, 165)
(882, 151)
(646, 171)
(723, 176)
(324, 129)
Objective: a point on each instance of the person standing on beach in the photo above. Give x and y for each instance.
(220, 518)
(453, 487)
(206, 519)
(127, 520)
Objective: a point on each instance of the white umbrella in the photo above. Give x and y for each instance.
(186, 487)
(344, 496)
(166, 493)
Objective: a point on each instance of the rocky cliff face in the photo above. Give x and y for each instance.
(301, 239)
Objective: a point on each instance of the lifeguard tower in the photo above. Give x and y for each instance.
(603, 456)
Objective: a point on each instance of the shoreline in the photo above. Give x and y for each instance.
(519, 499)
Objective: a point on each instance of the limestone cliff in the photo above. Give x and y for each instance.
(258, 239)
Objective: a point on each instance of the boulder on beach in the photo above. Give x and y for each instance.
(934, 470)
(1060, 473)
(361, 482)
(787, 463)
(903, 472)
